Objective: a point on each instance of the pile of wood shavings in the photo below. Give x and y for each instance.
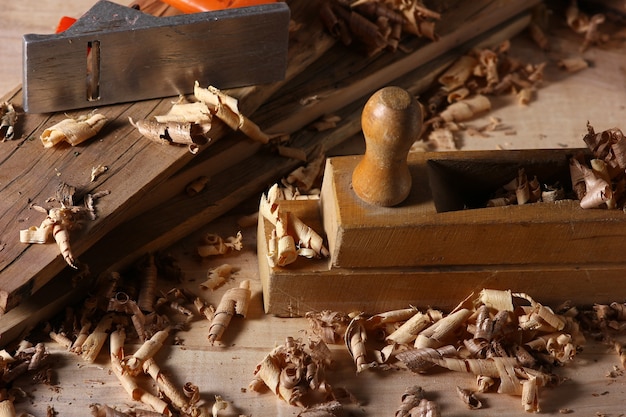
(600, 181)
(463, 90)
(129, 308)
(508, 341)
(378, 25)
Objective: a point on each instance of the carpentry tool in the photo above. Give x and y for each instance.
(439, 242)
(115, 54)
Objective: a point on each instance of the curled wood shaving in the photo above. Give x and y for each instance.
(288, 229)
(521, 190)
(421, 360)
(507, 340)
(128, 382)
(216, 277)
(463, 110)
(167, 389)
(408, 331)
(172, 133)
(226, 108)
(196, 186)
(355, 339)
(295, 372)
(538, 26)
(469, 398)
(8, 121)
(94, 342)
(411, 399)
(305, 177)
(57, 224)
(329, 326)
(97, 171)
(147, 291)
(234, 302)
(327, 409)
(574, 64)
(599, 182)
(437, 333)
(134, 363)
(584, 24)
(73, 131)
(215, 245)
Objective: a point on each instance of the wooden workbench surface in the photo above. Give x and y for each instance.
(556, 119)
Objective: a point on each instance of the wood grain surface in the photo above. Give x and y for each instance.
(557, 118)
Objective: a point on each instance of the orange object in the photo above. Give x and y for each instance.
(196, 6)
(64, 24)
(185, 6)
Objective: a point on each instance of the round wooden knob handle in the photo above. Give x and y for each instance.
(391, 122)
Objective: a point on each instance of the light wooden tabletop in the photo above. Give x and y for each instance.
(557, 119)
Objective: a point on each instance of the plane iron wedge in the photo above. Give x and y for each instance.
(116, 54)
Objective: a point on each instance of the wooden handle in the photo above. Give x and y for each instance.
(391, 122)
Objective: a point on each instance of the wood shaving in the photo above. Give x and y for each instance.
(172, 133)
(226, 108)
(305, 177)
(97, 171)
(539, 25)
(60, 221)
(73, 131)
(574, 64)
(128, 382)
(288, 229)
(8, 121)
(327, 409)
(148, 281)
(196, 186)
(216, 277)
(377, 25)
(463, 92)
(329, 326)
(25, 360)
(327, 122)
(599, 181)
(134, 363)
(234, 302)
(469, 398)
(414, 404)
(355, 339)
(295, 373)
(215, 245)
(586, 25)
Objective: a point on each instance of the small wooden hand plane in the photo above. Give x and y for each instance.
(116, 54)
(413, 228)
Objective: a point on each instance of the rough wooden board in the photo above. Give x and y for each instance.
(32, 174)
